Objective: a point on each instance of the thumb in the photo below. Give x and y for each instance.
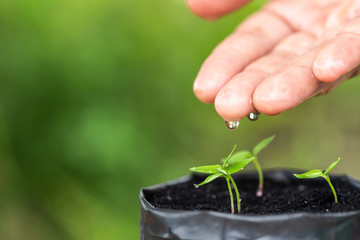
(212, 9)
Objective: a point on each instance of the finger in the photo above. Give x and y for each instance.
(212, 9)
(234, 101)
(289, 86)
(340, 55)
(252, 40)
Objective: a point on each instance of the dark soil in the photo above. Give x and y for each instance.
(281, 195)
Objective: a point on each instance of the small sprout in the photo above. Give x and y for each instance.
(225, 170)
(241, 155)
(319, 173)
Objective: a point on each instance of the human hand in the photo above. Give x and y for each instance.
(280, 56)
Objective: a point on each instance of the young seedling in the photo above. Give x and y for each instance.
(319, 173)
(241, 155)
(224, 170)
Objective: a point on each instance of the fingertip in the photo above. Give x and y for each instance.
(201, 10)
(232, 107)
(203, 92)
(264, 99)
(265, 104)
(326, 68)
(278, 93)
(213, 9)
(337, 58)
(233, 102)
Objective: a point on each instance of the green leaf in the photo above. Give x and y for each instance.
(311, 174)
(239, 165)
(209, 179)
(239, 156)
(227, 159)
(223, 170)
(206, 169)
(331, 166)
(261, 145)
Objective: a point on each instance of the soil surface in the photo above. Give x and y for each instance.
(283, 193)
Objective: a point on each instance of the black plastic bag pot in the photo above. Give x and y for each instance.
(167, 223)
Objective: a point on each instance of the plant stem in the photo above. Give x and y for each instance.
(237, 194)
(332, 188)
(261, 178)
(231, 195)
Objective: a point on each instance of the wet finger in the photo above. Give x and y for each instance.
(289, 86)
(234, 101)
(252, 40)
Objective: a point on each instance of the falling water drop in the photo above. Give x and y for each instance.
(232, 124)
(254, 116)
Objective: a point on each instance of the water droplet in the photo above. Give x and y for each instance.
(254, 116)
(232, 124)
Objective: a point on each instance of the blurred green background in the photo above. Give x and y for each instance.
(96, 102)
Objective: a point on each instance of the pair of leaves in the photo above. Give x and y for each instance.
(237, 162)
(318, 173)
(220, 171)
(242, 155)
